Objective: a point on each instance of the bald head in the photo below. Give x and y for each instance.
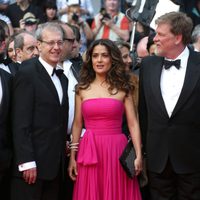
(69, 39)
(141, 48)
(25, 45)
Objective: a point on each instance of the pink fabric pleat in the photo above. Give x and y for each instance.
(87, 154)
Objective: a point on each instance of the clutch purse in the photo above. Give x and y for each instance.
(143, 178)
(127, 159)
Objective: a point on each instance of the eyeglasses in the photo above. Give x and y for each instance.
(52, 43)
(70, 39)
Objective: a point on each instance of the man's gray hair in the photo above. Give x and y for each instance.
(51, 26)
(196, 33)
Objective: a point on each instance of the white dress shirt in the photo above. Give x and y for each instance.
(58, 86)
(172, 81)
(5, 67)
(1, 91)
(67, 66)
(54, 78)
(71, 92)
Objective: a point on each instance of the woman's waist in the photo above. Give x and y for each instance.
(105, 131)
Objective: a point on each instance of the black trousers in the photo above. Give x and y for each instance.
(169, 185)
(66, 192)
(67, 185)
(41, 190)
(5, 185)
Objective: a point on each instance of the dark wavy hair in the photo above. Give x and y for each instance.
(116, 77)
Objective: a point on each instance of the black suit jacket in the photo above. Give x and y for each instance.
(13, 67)
(176, 138)
(77, 64)
(5, 136)
(39, 121)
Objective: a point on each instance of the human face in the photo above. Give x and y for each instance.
(111, 5)
(101, 60)
(165, 41)
(126, 57)
(31, 27)
(29, 49)
(69, 42)
(76, 49)
(51, 53)
(11, 51)
(51, 13)
(152, 50)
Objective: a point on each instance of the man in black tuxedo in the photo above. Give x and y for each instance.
(5, 134)
(39, 116)
(5, 61)
(169, 110)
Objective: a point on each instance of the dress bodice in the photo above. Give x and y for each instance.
(102, 113)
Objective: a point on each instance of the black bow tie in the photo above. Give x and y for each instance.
(58, 72)
(167, 64)
(4, 60)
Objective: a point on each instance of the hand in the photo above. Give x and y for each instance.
(72, 169)
(99, 20)
(22, 24)
(138, 165)
(67, 149)
(30, 175)
(108, 22)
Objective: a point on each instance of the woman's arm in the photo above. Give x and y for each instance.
(134, 130)
(76, 133)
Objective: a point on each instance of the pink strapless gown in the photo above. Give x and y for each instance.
(100, 175)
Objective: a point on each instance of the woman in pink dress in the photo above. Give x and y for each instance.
(103, 94)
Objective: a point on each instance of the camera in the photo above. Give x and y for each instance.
(104, 14)
(75, 17)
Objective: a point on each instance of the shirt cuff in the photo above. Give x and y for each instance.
(28, 165)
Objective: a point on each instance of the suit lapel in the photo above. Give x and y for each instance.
(4, 92)
(45, 78)
(64, 83)
(155, 83)
(191, 77)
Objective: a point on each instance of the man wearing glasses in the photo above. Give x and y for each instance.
(72, 73)
(40, 115)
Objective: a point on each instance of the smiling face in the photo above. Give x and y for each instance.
(51, 46)
(101, 60)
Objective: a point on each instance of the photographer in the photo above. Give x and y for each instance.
(29, 22)
(109, 23)
(74, 18)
